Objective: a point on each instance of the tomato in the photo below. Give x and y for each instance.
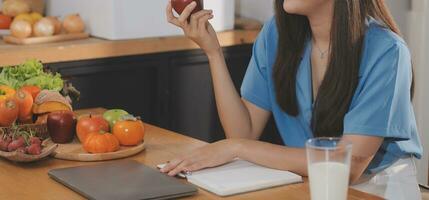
(6, 92)
(9, 111)
(129, 132)
(101, 143)
(25, 104)
(5, 21)
(32, 89)
(90, 124)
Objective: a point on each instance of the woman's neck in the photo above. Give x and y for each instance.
(320, 23)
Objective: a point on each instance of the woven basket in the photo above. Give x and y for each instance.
(41, 130)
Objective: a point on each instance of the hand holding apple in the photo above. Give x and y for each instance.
(197, 27)
(180, 5)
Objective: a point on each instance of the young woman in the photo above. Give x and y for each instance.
(322, 68)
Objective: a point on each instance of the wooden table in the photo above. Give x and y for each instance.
(31, 181)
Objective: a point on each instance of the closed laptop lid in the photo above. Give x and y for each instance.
(121, 180)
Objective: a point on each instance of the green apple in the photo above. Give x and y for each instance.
(112, 116)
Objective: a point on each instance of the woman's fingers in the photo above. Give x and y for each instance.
(171, 165)
(170, 16)
(208, 156)
(195, 17)
(181, 167)
(183, 18)
(202, 22)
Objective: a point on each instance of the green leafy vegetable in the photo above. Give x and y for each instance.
(30, 73)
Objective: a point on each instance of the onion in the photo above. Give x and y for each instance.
(15, 7)
(20, 28)
(73, 24)
(57, 24)
(36, 16)
(44, 27)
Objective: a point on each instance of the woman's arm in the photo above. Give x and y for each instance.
(270, 155)
(239, 118)
(363, 151)
(295, 159)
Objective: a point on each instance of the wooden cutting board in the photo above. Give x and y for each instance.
(74, 151)
(38, 40)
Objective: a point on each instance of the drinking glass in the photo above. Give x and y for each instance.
(328, 162)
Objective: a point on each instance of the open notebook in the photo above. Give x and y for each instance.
(239, 176)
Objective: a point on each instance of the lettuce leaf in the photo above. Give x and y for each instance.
(46, 82)
(30, 73)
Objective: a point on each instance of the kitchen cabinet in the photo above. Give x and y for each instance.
(125, 82)
(172, 90)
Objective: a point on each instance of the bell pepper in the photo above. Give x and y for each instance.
(6, 92)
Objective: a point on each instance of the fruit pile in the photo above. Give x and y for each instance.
(27, 95)
(21, 141)
(103, 134)
(17, 16)
(27, 91)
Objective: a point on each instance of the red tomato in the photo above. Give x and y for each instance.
(9, 112)
(5, 21)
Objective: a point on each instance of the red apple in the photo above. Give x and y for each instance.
(180, 5)
(61, 126)
(90, 124)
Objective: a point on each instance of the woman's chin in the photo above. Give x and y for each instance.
(290, 8)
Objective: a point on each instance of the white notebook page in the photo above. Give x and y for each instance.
(240, 176)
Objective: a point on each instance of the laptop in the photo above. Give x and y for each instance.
(121, 180)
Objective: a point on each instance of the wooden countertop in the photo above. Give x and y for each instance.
(93, 48)
(31, 181)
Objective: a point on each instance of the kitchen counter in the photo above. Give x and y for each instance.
(94, 48)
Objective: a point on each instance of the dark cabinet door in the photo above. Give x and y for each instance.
(192, 107)
(129, 83)
(192, 102)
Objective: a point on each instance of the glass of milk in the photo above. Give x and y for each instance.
(328, 168)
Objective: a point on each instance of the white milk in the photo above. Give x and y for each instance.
(329, 180)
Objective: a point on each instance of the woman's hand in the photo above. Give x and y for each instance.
(211, 155)
(197, 28)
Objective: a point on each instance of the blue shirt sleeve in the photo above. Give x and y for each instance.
(255, 86)
(382, 106)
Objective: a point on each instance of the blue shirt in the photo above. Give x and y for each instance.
(381, 105)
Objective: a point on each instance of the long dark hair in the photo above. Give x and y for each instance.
(341, 78)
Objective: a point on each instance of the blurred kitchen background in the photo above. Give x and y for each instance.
(118, 20)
